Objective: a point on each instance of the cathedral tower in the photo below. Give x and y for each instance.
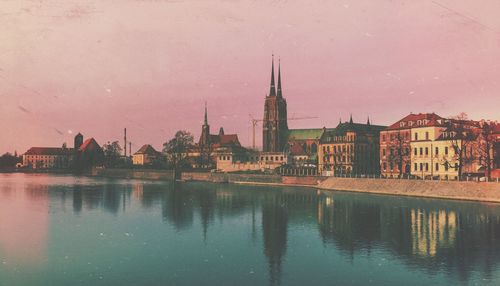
(275, 124)
(205, 131)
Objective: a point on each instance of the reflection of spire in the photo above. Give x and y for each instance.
(274, 229)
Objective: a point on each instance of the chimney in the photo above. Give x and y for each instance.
(125, 141)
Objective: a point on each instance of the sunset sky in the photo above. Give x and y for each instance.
(97, 66)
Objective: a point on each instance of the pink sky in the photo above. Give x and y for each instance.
(97, 66)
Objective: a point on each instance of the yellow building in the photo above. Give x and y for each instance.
(434, 148)
(145, 156)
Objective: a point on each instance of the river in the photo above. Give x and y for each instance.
(65, 230)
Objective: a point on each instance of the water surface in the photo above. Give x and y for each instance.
(65, 230)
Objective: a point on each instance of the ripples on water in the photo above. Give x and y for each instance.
(64, 230)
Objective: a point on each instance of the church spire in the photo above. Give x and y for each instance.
(368, 121)
(206, 117)
(279, 79)
(350, 120)
(272, 90)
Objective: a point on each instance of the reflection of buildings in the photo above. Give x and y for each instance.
(432, 230)
(420, 233)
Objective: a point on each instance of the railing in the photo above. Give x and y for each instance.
(408, 177)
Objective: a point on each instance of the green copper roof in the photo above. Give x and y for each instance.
(305, 134)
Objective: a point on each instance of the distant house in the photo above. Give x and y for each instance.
(82, 155)
(146, 155)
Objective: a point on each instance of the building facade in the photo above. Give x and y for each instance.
(350, 148)
(395, 143)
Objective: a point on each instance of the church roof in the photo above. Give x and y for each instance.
(147, 150)
(88, 145)
(305, 134)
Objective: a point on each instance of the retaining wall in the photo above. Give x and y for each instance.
(474, 191)
(166, 175)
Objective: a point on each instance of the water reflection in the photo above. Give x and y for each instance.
(456, 238)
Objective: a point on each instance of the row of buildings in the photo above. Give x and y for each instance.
(420, 145)
(83, 155)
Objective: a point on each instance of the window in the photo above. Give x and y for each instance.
(421, 166)
(383, 153)
(416, 136)
(383, 137)
(446, 150)
(446, 167)
(437, 166)
(426, 135)
(421, 151)
(415, 166)
(426, 166)
(281, 158)
(415, 151)
(437, 151)
(385, 166)
(426, 151)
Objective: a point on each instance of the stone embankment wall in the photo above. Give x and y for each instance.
(251, 178)
(474, 191)
(166, 175)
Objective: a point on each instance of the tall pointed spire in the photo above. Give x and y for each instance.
(350, 120)
(279, 78)
(368, 121)
(272, 90)
(206, 117)
(340, 120)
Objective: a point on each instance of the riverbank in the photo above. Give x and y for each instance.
(470, 191)
(140, 174)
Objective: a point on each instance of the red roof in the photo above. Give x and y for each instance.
(89, 144)
(228, 139)
(148, 150)
(417, 120)
(48, 151)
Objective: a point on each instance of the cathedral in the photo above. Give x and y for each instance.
(275, 126)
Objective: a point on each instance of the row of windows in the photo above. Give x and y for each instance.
(392, 152)
(421, 151)
(425, 166)
(426, 136)
(341, 138)
(399, 136)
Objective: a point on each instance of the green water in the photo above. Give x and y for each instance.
(63, 230)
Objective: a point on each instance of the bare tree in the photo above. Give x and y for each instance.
(399, 155)
(177, 148)
(460, 135)
(485, 147)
